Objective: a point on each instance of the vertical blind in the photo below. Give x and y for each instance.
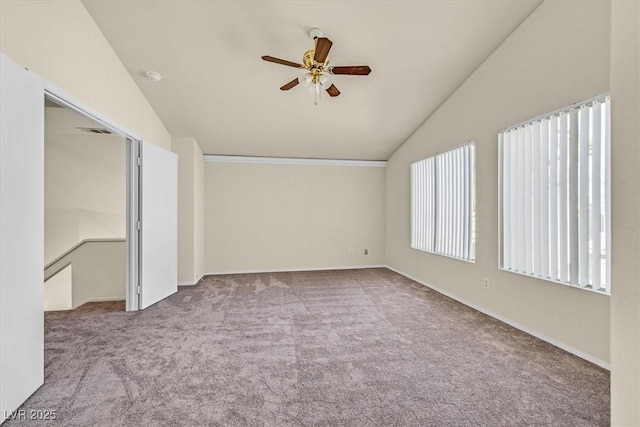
(555, 196)
(443, 203)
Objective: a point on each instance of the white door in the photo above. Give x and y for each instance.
(22, 235)
(159, 224)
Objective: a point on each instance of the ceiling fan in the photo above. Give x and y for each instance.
(316, 62)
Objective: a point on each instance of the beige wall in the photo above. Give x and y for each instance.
(625, 151)
(85, 183)
(198, 213)
(59, 41)
(58, 291)
(94, 271)
(190, 210)
(558, 56)
(270, 217)
(99, 272)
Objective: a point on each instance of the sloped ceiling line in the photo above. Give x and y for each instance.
(216, 88)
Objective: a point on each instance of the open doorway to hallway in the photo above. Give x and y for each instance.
(85, 247)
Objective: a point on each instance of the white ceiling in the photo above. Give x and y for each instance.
(216, 88)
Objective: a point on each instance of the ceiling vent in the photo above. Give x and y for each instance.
(99, 131)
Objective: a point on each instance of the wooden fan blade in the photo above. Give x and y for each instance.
(323, 45)
(292, 83)
(282, 61)
(333, 91)
(353, 70)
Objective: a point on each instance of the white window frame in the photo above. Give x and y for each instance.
(559, 251)
(439, 224)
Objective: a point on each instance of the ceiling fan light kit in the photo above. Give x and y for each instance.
(316, 62)
(305, 79)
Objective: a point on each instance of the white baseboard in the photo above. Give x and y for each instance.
(353, 267)
(188, 283)
(509, 322)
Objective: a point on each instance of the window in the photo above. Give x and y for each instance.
(443, 203)
(555, 214)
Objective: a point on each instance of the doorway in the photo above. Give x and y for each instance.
(92, 124)
(151, 213)
(84, 211)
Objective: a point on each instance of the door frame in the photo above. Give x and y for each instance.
(132, 187)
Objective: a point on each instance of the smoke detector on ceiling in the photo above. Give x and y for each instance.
(154, 76)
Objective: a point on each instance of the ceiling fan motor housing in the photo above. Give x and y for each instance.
(307, 58)
(311, 64)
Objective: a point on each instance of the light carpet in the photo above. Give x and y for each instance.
(334, 348)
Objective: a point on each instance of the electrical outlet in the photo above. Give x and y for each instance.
(350, 251)
(366, 251)
(485, 283)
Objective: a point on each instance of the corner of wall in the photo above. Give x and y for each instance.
(190, 209)
(625, 158)
(183, 147)
(198, 212)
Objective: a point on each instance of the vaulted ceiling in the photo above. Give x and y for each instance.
(216, 88)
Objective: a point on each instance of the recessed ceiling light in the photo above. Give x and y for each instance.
(154, 76)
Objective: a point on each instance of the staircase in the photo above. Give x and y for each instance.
(92, 270)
